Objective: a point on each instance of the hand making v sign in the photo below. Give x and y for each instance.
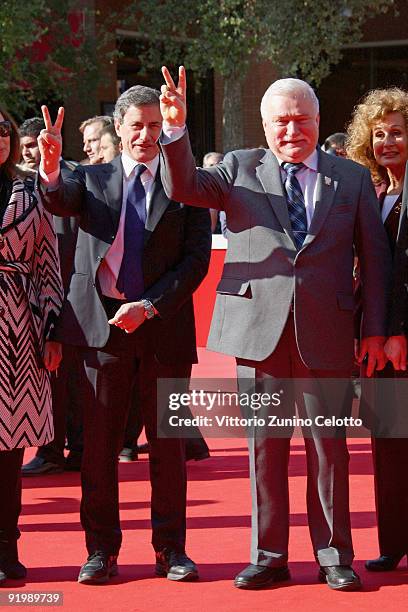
(50, 141)
(173, 99)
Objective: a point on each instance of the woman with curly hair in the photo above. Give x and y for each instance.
(378, 139)
(30, 301)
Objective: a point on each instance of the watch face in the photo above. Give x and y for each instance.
(149, 310)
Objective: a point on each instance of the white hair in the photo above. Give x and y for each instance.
(295, 88)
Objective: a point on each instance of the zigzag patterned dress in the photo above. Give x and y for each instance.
(30, 300)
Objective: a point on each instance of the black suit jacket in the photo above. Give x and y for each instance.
(176, 256)
(66, 229)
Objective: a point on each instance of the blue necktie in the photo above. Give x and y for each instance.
(296, 203)
(130, 278)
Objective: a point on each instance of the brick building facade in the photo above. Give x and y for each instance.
(379, 60)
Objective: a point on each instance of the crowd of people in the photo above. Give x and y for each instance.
(99, 260)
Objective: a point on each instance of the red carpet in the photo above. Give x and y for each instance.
(52, 543)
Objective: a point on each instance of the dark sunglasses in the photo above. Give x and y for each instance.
(5, 128)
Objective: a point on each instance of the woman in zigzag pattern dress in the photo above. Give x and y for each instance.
(30, 301)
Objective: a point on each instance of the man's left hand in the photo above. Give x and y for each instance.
(129, 317)
(372, 347)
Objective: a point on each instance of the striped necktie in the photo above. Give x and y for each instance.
(130, 278)
(296, 203)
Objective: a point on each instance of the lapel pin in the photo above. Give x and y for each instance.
(327, 180)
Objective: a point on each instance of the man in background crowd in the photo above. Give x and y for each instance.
(30, 153)
(335, 144)
(218, 220)
(91, 130)
(110, 144)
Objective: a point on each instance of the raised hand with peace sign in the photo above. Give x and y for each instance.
(173, 104)
(50, 141)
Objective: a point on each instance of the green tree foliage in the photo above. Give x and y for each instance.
(45, 52)
(301, 38)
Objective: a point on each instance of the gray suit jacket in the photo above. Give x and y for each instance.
(264, 274)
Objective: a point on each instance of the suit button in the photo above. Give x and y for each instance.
(1, 311)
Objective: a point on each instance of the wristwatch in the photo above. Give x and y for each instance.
(149, 309)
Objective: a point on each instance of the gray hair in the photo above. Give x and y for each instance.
(104, 120)
(211, 154)
(289, 87)
(139, 95)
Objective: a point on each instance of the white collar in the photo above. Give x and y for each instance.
(310, 162)
(129, 164)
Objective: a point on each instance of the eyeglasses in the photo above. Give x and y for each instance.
(5, 128)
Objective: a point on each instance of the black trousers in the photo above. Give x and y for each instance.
(67, 402)
(195, 446)
(390, 459)
(10, 487)
(110, 374)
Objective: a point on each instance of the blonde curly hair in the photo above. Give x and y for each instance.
(374, 106)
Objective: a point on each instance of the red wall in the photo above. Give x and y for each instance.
(204, 297)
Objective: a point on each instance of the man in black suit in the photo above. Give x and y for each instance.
(139, 258)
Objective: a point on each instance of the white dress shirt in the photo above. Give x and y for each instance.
(307, 178)
(108, 271)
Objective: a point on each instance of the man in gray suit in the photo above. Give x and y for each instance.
(285, 303)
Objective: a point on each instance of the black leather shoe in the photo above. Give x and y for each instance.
(384, 563)
(340, 577)
(13, 570)
(196, 449)
(38, 466)
(10, 566)
(175, 566)
(73, 461)
(197, 456)
(259, 576)
(98, 568)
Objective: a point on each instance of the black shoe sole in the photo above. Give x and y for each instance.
(160, 572)
(348, 586)
(88, 579)
(198, 457)
(381, 568)
(20, 576)
(281, 576)
(43, 472)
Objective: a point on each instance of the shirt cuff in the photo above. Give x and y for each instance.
(172, 133)
(49, 180)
